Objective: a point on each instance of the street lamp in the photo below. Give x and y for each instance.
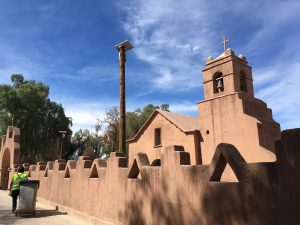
(63, 134)
(122, 48)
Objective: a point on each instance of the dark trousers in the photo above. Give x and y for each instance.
(15, 194)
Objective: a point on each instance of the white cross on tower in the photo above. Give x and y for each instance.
(224, 43)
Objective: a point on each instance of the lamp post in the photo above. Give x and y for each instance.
(122, 48)
(63, 134)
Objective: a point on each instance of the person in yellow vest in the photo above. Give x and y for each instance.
(15, 185)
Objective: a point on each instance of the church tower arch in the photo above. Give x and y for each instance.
(243, 81)
(218, 82)
(223, 115)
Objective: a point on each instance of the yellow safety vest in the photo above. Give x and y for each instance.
(17, 177)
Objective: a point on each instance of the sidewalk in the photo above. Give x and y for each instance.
(44, 216)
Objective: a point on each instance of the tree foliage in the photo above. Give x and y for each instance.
(89, 144)
(136, 119)
(95, 145)
(26, 104)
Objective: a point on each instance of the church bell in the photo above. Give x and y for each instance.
(220, 84)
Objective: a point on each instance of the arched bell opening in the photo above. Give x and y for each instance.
(243, 82)
(218, 82)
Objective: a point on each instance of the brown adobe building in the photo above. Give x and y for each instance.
(166, 128)
(229, 114)
(165, 184)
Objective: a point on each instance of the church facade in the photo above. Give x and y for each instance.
(163, 129)
(229, 113)
(179, 166)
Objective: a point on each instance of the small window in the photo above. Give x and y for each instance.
(218, 83)
(157, 136)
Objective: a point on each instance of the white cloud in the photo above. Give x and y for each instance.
(273, 19)
(196, 49)
(84, 112)
(82, 119)
(175, 39)
(4, 77)
(278, 87)
(93, 73)
(13, 62)
(170, 37)
(185, 108)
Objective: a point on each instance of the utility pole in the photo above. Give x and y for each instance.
(122, 48)
(63, 134)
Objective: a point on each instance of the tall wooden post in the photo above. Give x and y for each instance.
(122, 48)
(122, 126)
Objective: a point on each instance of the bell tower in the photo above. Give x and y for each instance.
(231, 114)
(227, 74)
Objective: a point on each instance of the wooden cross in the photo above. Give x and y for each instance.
(224, 43)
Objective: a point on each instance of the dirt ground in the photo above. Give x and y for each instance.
(44, 216)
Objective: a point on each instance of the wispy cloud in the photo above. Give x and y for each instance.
(174, 39)
(185, 107)
(93, 73)
(167, 36)
(55, 43)
(84, 113)
(281, 95)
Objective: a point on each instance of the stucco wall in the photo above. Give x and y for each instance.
(9, 154)
(174, 193)
(177, 192)
(230, 66)
(252, 132)
(170, 135)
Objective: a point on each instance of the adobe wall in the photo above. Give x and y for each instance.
(9, 154)
(176, 192)
(230, 66)
(231, 114)
(109, 192)
(247, 124)
(288, 154)
(170, 135)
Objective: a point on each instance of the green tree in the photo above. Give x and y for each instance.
(165, 107)
(134, 121)
(93, 145)
(89, 144)
(26, 104)
(110, 124)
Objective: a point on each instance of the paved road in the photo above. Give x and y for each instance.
(44, 216)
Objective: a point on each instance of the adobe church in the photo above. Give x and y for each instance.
(229, 113)
(221, 168)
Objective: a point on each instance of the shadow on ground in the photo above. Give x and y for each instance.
(7, 217)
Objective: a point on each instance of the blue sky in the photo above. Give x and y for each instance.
(69, 45)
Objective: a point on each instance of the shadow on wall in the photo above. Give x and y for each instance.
(190, 198)
(175, 192)
(288, 151)
(160, 209)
